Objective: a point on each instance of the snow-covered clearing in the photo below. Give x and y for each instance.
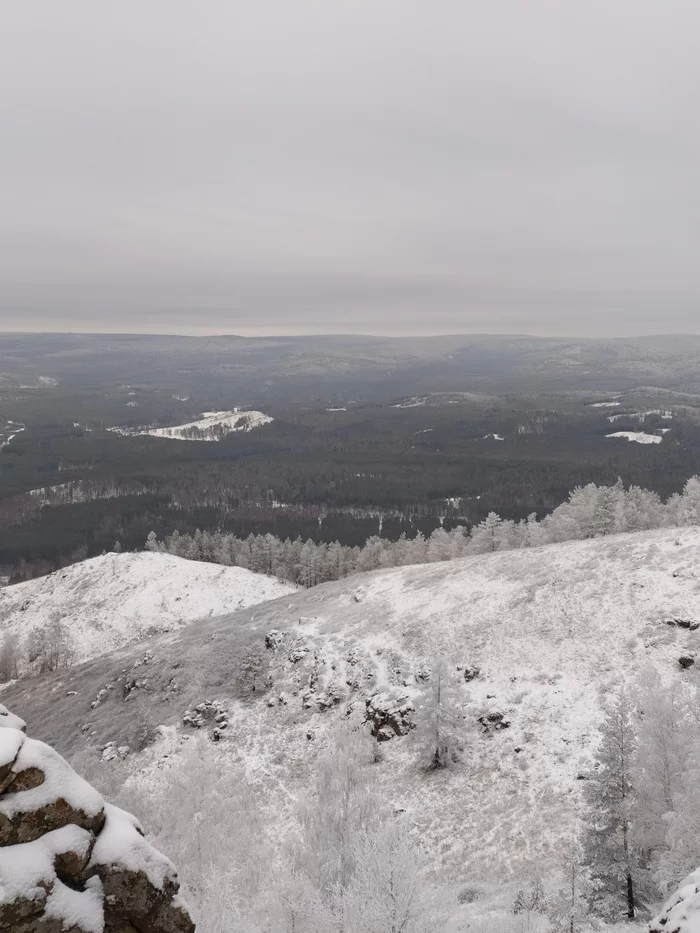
(212, 426)
(637, 437)
(412, 402)
(494, 437)
(10, 432)
(606, 404)
(108, 601)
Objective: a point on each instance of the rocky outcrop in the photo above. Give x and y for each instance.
(69, 862)
(389, 716)
(681, 913)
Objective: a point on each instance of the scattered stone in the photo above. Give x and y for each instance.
(101, 695)
(297, 653)
(471, 673)
(113, 752)
(494, 721)
(205, 714)
(132, 685)
(389, 716)
(275, 640)
(691, 625)
(686, 660)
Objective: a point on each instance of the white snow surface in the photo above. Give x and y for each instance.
(606, 404)
(26, 869)
(638, 437)
(217, 422)
(554, 630)
(10, 743)
(121, 843)
(83, 910)
(8, 720)
(681, 913)
(109, 601)
(61, 783)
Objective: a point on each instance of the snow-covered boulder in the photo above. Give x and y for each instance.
(69, 862)
(681, 914)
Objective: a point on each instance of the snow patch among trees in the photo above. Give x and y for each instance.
(638, 437)
(212, 426)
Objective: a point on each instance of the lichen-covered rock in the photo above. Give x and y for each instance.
(69, 862)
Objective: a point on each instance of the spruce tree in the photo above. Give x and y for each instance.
(608, 842)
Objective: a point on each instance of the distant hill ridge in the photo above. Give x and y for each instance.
(109, 601)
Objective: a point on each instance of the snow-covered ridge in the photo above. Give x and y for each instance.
(109, 601)
(212, 426)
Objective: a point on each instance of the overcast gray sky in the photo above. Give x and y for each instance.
(377, 166)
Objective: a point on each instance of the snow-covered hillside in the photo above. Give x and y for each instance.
(538, 637)
(108, 601)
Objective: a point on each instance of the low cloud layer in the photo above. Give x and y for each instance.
(386, 166)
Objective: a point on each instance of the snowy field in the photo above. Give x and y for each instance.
(637, 437)
(109, 601)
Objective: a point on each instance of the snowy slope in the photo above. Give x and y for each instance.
(111, 600)
(553, 630)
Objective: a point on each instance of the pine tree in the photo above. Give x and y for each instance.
(487, 536)
(567, 908)
(608, 843)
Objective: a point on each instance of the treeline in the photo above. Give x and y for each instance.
(590, 511)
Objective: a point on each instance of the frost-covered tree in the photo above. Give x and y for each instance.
(440, 732)
(681, 853)
(489, 535)
(340, 809)
(567, 906)
(608, 844)
(9, 658)
(687, 506)
(529, 903)
(388, 892)
(294, 905)
(666, 735)
(48, 649)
